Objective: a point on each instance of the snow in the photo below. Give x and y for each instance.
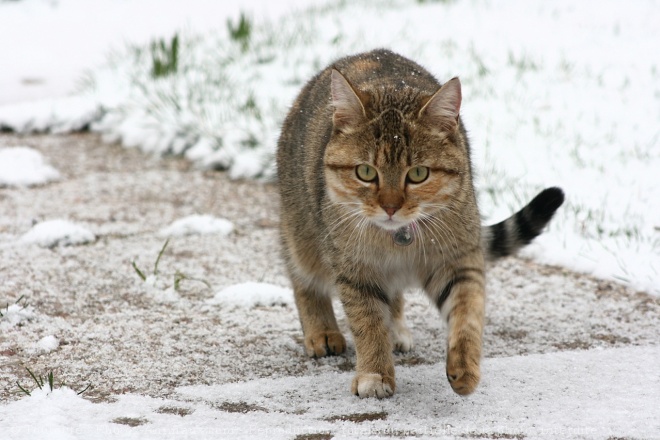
(15, 315)
(57, 232)
(47, 344)
(24, 166)
(251, 294)
(586, 395)
(197, 224)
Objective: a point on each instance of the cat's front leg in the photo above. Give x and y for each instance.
(368, 311)
(462, 302)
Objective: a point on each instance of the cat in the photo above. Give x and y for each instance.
(377, 197)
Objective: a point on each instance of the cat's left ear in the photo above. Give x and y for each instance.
(443, 107)
(349, 109)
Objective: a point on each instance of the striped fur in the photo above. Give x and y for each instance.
(505, 238)
(338, 226)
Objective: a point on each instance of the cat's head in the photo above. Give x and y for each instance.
(396, 156)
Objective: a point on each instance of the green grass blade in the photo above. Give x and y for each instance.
(23, 389)
(39, 381)
(160, 254)
(88, 387)
(138, 271)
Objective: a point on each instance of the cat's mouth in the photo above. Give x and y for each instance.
(392, 224)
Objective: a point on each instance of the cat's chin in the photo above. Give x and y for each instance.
(391, 225)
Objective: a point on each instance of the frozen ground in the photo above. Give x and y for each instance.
(566, 356)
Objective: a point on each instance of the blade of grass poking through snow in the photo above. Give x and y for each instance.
(240, 32)
(138, 271)
(160, 254)
(84, 390)
(26, 392)
(178, 277)
(50, 381)
(165, 59)
(39, 381)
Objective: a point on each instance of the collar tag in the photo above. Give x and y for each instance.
(403, 236)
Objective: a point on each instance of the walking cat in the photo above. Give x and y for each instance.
(377, 197)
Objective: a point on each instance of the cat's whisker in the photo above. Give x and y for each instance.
(441, 227)
(445, 241)
(344, 219)
(420, 241)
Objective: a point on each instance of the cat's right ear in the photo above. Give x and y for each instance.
(348, 108)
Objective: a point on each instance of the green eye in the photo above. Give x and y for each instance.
(418, 174)
(366, 173)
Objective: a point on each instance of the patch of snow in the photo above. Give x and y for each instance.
(15, 315)
(47, 344)
(25, 166)
(64, 115)
(197, 224)
(253, 294)
(58, 232)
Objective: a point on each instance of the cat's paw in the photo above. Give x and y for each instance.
(463, 369)
(373, 385)
(325, 344)
(402, 339)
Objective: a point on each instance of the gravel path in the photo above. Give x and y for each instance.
(122, 336)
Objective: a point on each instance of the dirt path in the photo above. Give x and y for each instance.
(122, 336)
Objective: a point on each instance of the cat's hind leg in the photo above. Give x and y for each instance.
(402, 339)
(317, 317)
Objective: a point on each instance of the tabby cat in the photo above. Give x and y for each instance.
(377, 197)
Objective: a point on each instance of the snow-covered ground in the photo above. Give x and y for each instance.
(208, 345)
(586, 395)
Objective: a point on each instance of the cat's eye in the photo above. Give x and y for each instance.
(418, 174)
(366, 173)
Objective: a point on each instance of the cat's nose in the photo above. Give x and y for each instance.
(390, 209)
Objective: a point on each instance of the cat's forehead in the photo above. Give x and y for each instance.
(392, 138)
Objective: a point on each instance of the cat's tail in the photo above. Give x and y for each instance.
(506, 237)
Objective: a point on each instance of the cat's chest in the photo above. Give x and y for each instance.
(395, 265)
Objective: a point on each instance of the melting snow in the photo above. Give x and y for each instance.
(24, 166)
(252, 294)
(198, 224)
(58, 233)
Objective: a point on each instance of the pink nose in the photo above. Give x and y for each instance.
(390, 210)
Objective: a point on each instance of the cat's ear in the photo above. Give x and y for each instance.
(348, 107)
(443, 107)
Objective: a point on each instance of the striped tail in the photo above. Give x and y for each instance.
(506, 237)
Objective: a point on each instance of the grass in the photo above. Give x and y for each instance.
(241, 31)
(48, 381)
(165, 57)
(18, 302)
(178, 276)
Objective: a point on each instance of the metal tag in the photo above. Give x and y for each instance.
(403, 236)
